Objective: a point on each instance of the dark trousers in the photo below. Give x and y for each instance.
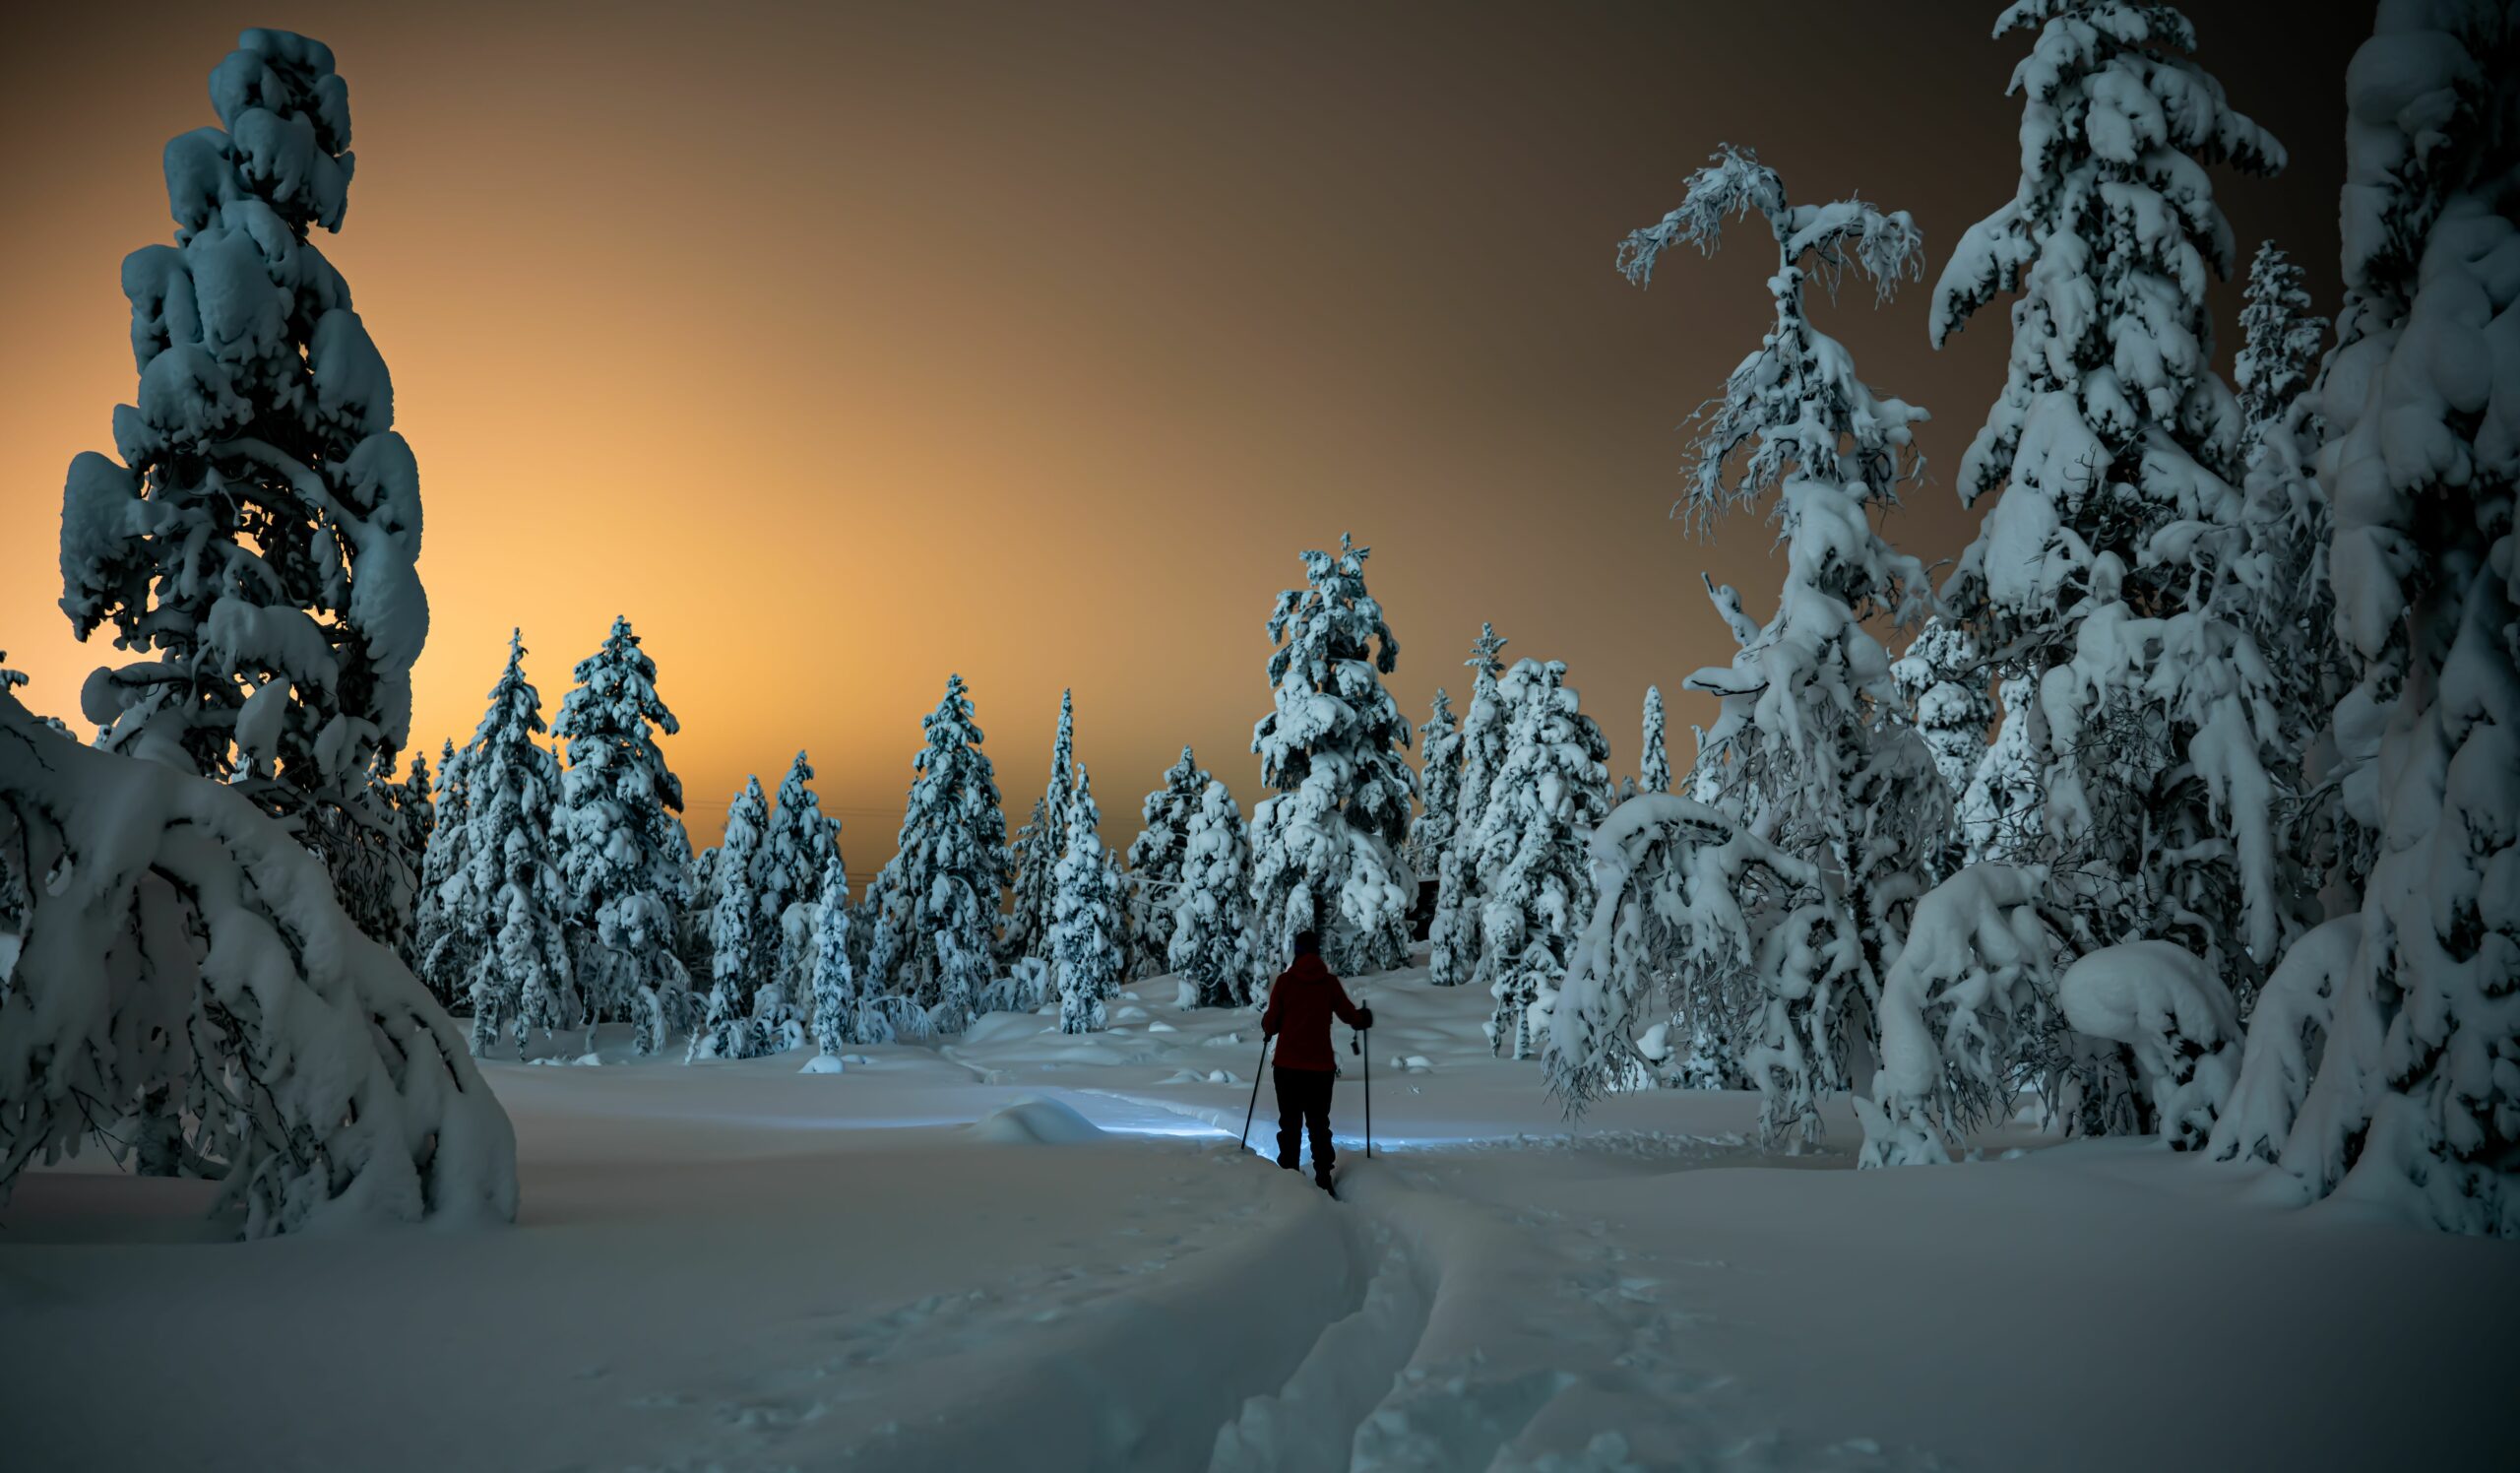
(1304, 1103)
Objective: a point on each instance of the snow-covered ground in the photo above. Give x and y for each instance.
(1029, 1250)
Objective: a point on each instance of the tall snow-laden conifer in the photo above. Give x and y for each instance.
(948, 875)
(1326, 851)
(2279, 343)
(257, 530)
(734, 932)
(1155, 864)
(1039, 845)
(1212, 950)
(1084, 943)
(1438, 787)
(1654, 764)
(837, 1001)
(624, 858)
(1810, 747)
(513, 906)
(797, 847)
(2413, 1102)
(1453, 936)
(2119, 451)
(415, 805)
(1536, 876)
(440, 940)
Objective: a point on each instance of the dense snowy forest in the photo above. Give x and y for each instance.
(2186, 804)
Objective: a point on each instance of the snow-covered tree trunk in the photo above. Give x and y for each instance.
(258, 530)
(1326, 851)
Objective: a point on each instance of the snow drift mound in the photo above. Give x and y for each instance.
(1034, 1122)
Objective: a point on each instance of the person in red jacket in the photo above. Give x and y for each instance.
(1300, 1003)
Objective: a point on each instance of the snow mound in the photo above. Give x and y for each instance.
(1034, 1122)
(823, 1064)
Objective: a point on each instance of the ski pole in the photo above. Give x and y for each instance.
(1255, 1092)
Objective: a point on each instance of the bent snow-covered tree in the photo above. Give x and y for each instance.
(258, 537)
(2119, 451)
(1326, 851)
(1811, 747)
(625, 859)
(2383, 1061)
(174, 943)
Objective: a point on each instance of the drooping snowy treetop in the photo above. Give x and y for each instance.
(624, 858)
(1327, 849)
(1811, 747)
(2414, 1100)
(258, 535)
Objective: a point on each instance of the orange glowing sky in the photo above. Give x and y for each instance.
(842, 348)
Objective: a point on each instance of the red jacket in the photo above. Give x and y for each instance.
(1300, 1002)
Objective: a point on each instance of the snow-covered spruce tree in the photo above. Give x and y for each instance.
(440, 942)
(1085, 944)
(1536, 879)
(787, 870)
(258, 535)
(624, 858)
(834, 977)
(1326, 851)
(1213, 950)
(734, 932)
(1453, 934)
(1155, 864)
(186, 949)
(2281, 340)
(1438, 788)
(513, 906)
(1944, 679)
(415, 810)
(2413, 1098)
(948, 873)
(1654, 761)
(2003, 808)
(2119, 451)
(1811, 747)
(1039, 845)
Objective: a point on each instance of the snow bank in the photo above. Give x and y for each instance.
(1035, 1121)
